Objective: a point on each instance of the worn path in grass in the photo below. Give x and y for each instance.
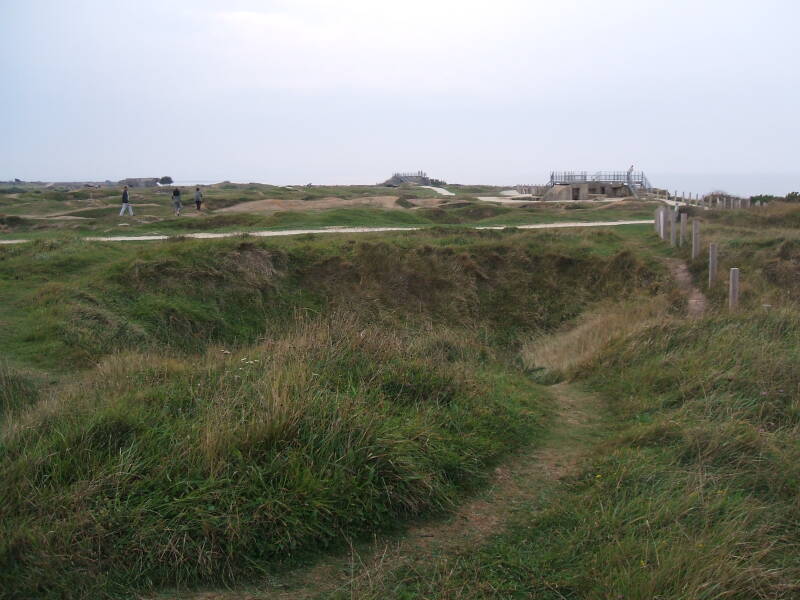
(680, 273)
(274, 233)
(534, 474)
(530, 474)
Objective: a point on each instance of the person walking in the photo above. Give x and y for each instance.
(176, 201)
(126, 203)
(198, 198)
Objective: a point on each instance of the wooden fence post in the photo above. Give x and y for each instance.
(733, 289)
(673, 228)
(712, 264)
(684, 220)
(695, 238)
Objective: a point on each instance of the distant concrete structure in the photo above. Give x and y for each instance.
(567, 186)
(139, 182)
(532, 190)
(416, 178)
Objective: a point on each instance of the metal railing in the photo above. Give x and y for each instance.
(631, 178)
(417, 174)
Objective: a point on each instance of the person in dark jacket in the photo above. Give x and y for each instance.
(126, 203)
(176, 201)
(198, 198)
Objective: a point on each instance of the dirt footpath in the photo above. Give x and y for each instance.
(680, 273)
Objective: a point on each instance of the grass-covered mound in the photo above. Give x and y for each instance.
(66, 304)
(694, 495)
(240, 402)
(155, 470)
(705, 482)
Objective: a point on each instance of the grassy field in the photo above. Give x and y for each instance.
(692, 491)
(214, 409)
(43, 213)
(208, 413)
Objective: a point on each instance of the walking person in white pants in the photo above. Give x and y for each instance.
(126, 205)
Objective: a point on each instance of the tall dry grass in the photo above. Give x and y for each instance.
(586, 338)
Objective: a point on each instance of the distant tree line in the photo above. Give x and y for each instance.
(790, 197)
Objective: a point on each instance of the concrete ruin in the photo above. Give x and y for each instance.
(577, 186)
(417, 178)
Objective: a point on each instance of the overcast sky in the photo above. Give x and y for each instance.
(700, 94)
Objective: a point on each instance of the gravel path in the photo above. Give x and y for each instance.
(210, 235)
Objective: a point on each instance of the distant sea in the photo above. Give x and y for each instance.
(195, 182)
(740, 184)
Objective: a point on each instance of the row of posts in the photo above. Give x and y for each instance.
(668, 226)
(711, 201)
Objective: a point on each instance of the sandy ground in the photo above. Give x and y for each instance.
(274, 204)
(210, 235)
(438, 190)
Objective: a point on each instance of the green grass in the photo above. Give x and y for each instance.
(225, 406)
(692, 495)
(207, 469)
(693, 491)
(67, 303)
(98, 211)
(18, 391)
(475, 189)
(341, 217)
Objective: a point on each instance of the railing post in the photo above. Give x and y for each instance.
(684, 220)
(695, 238)
(733, 289)
(655, 219)
(712, 264)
